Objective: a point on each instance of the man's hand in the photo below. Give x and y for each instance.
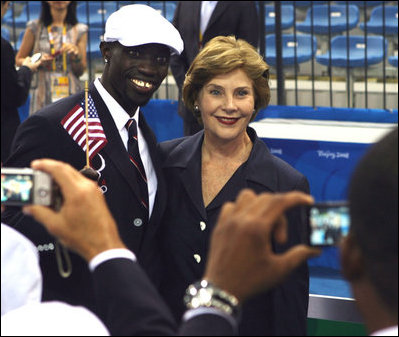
(241, 260)
(84, 222)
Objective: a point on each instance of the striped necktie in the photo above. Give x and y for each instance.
(134, 156)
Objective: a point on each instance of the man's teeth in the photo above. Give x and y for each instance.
(142, 84)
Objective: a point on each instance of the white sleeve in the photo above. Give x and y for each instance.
(111, 254)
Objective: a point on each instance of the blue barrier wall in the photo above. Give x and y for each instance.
(330, 114)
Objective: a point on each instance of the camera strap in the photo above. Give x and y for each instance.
(59, 251)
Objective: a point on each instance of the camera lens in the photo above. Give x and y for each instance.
(43, 193)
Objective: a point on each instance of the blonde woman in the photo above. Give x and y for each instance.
(225, 87)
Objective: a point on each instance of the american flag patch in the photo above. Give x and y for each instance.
(75, 124)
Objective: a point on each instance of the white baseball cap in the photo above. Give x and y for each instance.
(135, 25)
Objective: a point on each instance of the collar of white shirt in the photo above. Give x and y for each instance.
(119, 114)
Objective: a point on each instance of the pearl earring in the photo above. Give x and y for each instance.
(196, 108)
(106, 60)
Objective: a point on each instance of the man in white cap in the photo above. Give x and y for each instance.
(136, 49)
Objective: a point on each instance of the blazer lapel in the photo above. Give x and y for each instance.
(114, 149)
(261, 166)
(221, 6)
(187, 155)
(196, 17)
(191, 180)
(160, 199)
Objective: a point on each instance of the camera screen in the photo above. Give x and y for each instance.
(328, 224)
(16, 189)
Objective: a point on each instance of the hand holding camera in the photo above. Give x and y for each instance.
(33, 62)
(83, 221)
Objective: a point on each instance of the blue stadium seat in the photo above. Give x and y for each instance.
(30, 11)
(8, 15)
(304, 3)
(338, 19)
(5, 33)
(124, 3)
(287, 17)
(304, 44)
(99, 11)
(376, 23)
(361, 3)
(166, 8)
(356, 53)
(95, 36)
(393, 60)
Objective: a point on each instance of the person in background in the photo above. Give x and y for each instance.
(225, 87)
(200, 21)
(241, 259)
(14, 90)
(369, 254)
(62, 41)
(136, 63)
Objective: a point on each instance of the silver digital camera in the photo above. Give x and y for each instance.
(25, 186)
(328, 223)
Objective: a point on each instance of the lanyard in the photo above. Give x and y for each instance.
(52, 47)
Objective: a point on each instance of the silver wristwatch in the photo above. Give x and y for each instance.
(205, 294)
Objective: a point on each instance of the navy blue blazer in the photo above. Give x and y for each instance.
(43, 136)
(188, 225)
(130, 305)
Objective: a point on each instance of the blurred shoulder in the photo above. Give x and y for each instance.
(34, 25)
(167, 147)
(82, 28)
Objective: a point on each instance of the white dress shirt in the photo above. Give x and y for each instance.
(121, 117)
(207, 8)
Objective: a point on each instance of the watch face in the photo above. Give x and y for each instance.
(204, 294)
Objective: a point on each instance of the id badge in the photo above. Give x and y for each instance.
(59, 86)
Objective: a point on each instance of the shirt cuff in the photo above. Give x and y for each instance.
(111, 254)
(190, 314)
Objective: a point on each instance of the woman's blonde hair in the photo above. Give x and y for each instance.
(221, 55)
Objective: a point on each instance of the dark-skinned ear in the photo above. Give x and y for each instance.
(105, 50)
(352, 261)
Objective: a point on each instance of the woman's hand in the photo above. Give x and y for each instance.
(71, 49)
(46, 60)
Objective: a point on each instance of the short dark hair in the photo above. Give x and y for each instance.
(47, 19)
(373, 197)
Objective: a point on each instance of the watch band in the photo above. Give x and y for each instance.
(205, 294)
